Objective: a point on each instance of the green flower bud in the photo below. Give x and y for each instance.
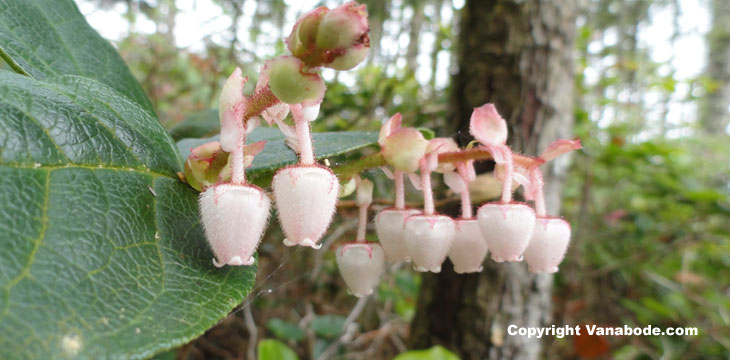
(404, 148)
(301, 41)
(343, 27)
(291, 83)
(204, 164)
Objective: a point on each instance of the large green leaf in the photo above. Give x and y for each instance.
(276, 154)
(47, 38)
(101, 250)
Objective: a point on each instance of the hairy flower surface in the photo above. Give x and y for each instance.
(507, 228)
(469, 248)
(305, 199)
(428, 239)
(549, 244)
(389, 225)
(234, 218)
(361, 265)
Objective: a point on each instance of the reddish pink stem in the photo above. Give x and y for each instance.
(306, 155)
(508, 175)
(537, 181)
(428, 207)
(238, 174)
(466, 212)
(400, 197)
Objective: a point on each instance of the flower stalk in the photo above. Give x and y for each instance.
(462, 170)
(400, 196)
(428, 207)
(304, 138)
(238, 174)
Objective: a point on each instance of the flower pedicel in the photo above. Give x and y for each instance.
(506, 225)
(403, 147)
(429, 235)
(361, 263)
(234, 214)
(551, 236)
(469, 247)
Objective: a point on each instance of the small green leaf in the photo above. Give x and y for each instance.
(275, 350)
(48, 38)
(427, 133)
(285, 330)
(328, 326)
(435, 353)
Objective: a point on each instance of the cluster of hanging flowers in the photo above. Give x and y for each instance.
(235, 213)
(509, 230)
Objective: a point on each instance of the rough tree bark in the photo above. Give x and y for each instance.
(714, 116)
(516, 54)
(414, 35)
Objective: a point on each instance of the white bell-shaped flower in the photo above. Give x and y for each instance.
(234, 218)
(390, 224)
(507, 228)
(305, 200)
(361, 265)
(469, 247)
(549, 244)
(428, 239)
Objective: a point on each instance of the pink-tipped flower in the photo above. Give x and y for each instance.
(507, 229)
(404, 148)
(305, 199)
(293, 83)
(507, 226)
(234, 214)
(389, 225)
(548, 246)
(428, 239)
(361, 265)
(551, 236)
(469, 248)
(234, 218)
(487, 126)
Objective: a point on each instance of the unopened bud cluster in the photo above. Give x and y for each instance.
(235, 213)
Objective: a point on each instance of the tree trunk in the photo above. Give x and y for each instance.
(414, 36)
(714, 115)
(516, 54)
